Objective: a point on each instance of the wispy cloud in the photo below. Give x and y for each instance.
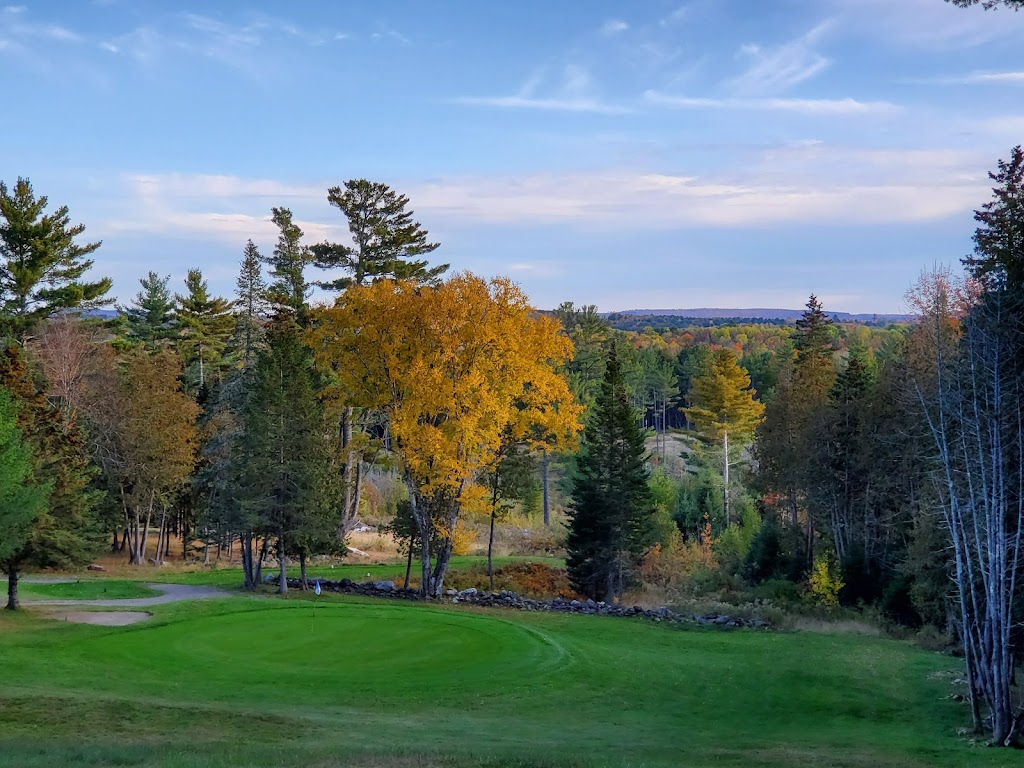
(574, 93)
(614, 27)
(975, 78)
(22, 33)
(775, 70)
(847, 106)
(924, 24)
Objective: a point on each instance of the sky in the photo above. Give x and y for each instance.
(654, 154)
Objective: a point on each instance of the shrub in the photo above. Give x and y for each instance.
(825, 582)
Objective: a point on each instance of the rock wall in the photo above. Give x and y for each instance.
(511, 600)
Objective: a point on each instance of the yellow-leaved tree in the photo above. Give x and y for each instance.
(456, 370)
(724, 409)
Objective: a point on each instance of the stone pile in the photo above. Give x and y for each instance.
(511, 600)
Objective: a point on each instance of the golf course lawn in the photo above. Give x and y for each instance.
(86, 589)
(355, 682)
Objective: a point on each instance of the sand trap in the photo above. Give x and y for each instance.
(103, 618)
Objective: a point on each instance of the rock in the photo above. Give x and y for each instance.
(451, 592)
(721, 620)
(468, 592)
(384, 586)
(269, 578)
(575, 603)
(95, 567)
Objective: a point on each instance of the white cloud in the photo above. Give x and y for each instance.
(778, 69)
(976, 78)
(614, 27)
(572, 94)
(787, 186)
(927, 24)
(845, 106)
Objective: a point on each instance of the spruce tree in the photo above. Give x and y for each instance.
(612, 508)
(386, 241)
(250, 306)
(287, 486)
(149, 319)
(204, 326)
(41, 265)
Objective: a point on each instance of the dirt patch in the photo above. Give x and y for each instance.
(101, 618)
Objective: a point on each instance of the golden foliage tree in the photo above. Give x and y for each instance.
(724, 408)
(455, 370)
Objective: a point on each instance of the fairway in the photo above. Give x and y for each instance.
(253, 682)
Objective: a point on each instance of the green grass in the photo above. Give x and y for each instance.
(87, 589)
(355, 682)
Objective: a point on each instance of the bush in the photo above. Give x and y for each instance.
(825, 582)
(528, 579)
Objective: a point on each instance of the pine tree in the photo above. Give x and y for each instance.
(149, 319)
(612, 510)
(724, 409)
(287, 265)
(41, 265)
(386, 241)
(22, 501)
(250, 306)
(285, 486)
(205, 324)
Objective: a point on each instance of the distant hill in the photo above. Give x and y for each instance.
(758, 313)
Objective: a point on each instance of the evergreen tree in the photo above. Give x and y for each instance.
(149, 319)
(205, 324)
(250, 306)
(612, 509)
(22, 501)
(285, 486)
(41, 265)
(386, 241)
(289, 288)
(66, 533)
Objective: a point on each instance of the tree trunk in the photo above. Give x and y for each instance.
(544, 465)
(725, 474)
(358, 493)
(115, 545)
(259, 561)
(302, 570)
(245, 544)
(145, 530)
(12, 589)
(490, 548)
(408, 564)
(282, 577)
(346, 442)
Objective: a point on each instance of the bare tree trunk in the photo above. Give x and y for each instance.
(725, 473)
(544, 465)
(12, 589)
(282, 577)
(408, 565)
(490, 547)
(145, 530)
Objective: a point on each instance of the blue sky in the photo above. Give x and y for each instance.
(644, 154)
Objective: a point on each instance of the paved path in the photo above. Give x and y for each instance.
(172, 593)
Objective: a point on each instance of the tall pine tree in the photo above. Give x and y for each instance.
(149, 319)
(612, 509)
(204, 326)
(386, 240)
(41, 265)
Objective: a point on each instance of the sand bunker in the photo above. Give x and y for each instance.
(103, 618)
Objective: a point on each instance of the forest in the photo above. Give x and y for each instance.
(816, 468)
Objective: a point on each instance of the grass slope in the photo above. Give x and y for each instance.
(91, 589)
(256, 682)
